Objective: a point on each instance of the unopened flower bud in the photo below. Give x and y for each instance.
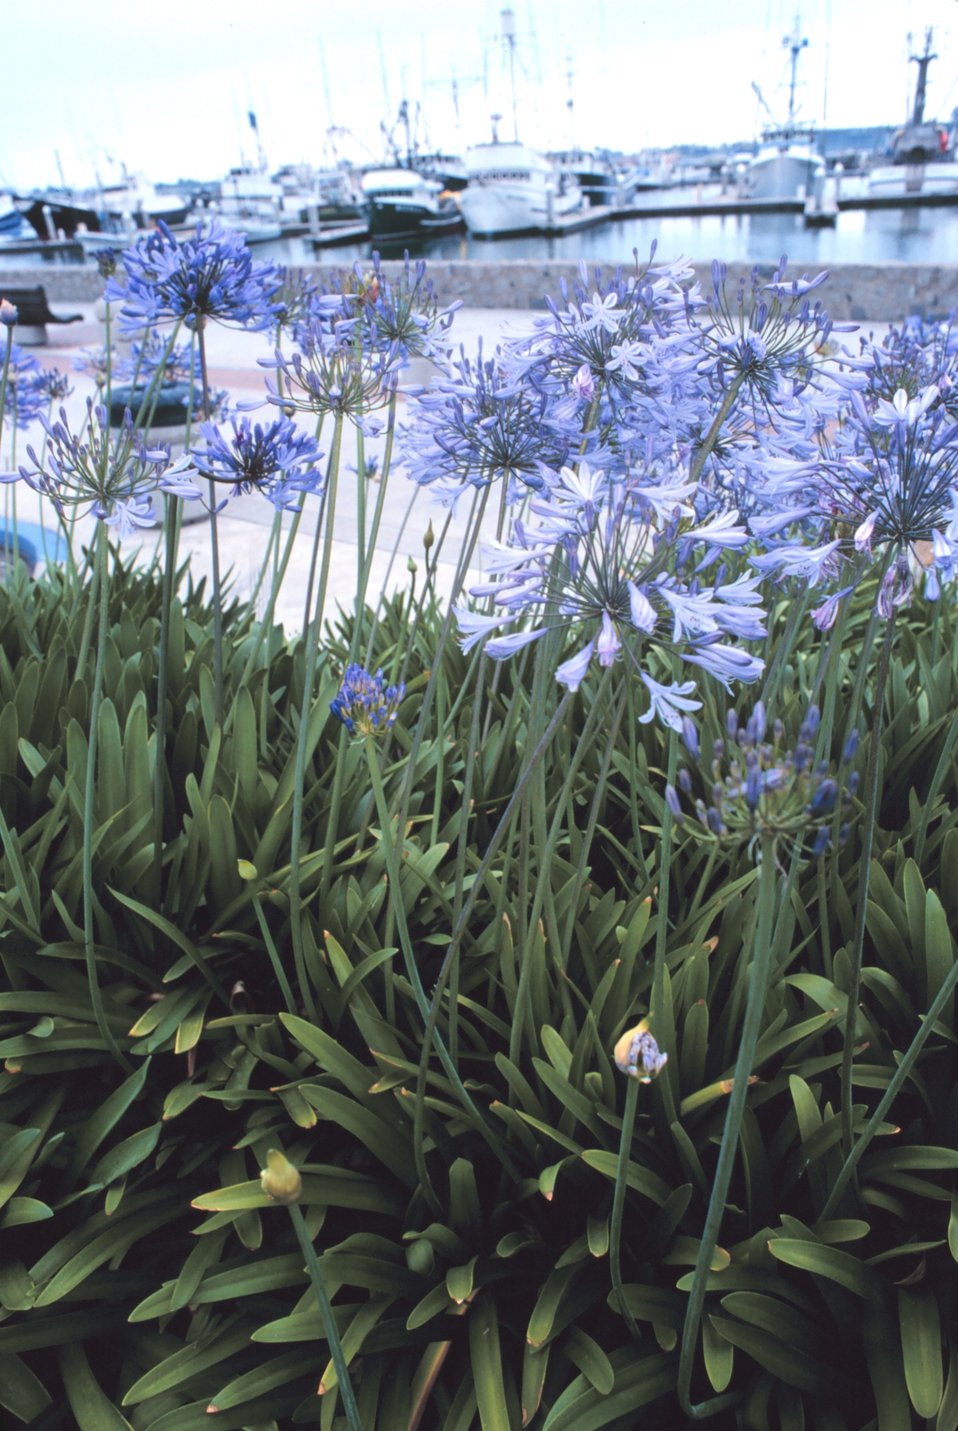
(638, 1055)
(8, 313)
(279, 1179)
(429, 536)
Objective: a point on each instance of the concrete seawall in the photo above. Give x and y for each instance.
(880, 292)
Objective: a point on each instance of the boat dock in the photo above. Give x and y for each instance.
(666, 203)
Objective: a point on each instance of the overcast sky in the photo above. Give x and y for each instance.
(166, 87)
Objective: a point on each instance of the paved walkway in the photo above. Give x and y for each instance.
(244, 525)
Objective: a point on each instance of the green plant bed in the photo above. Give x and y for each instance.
(463, 1224)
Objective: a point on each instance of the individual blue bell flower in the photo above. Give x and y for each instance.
(638, 1055)
(365, 704)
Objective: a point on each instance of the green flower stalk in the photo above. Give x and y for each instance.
(638, 1056)
(283, 1184)
(368, 708)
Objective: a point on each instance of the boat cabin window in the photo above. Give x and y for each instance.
(521, 176)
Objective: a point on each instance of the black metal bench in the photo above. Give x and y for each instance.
(33, 313)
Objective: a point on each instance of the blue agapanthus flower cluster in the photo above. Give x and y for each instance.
(209, 276)
(602, 341)
(636, 434)
(353, 339)
(764, 332)
(113, 475)
(277, 460)
(401, 315)
(365, 704)
(30, 388)
(625, 567)
(756, 786)
(477, 425)
(876, 487)
(331, 372)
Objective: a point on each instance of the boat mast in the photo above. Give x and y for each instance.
(795, 45)
(922, 61)
(509, 35)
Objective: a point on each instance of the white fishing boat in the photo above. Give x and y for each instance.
(787, 164)
(922, 152)
(514, 189)
(511, 188)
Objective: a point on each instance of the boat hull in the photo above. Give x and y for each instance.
(394, 219)
(490, 209)
(784, 174)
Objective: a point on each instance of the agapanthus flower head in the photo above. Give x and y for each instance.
(886, 484)
(637, 1054)
(602, 337)
(365, 704)
(278, 460)
(106, 261)
(618, 565)
(479, 425)
(110, 473)
(912, 358)
(210, 276)
(400, 314)
(29, 389)
(54, 385)
(332, 372)
(758, 787)
(763, 331)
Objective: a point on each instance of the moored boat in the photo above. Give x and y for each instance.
(787, 164)
(922, 155)
(514, 189)
(402, 203)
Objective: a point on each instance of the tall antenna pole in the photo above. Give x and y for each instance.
(509, 35)
(795, 45)
(570, 104)
(921, 87)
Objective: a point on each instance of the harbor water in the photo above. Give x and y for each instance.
(913, 234)
(906, 235)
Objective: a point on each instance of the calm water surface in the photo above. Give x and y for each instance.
(915, 235)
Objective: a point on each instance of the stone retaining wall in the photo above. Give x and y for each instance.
(881, 292)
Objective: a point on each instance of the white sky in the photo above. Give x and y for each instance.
(165, 86)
